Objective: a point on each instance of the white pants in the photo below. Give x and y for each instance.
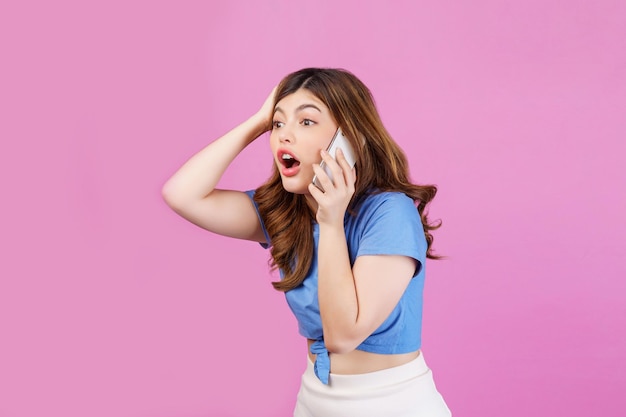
(403, 391)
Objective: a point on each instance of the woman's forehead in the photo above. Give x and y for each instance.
(298, 99)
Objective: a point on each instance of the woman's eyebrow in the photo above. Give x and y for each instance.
(307, 106)
(299, 108)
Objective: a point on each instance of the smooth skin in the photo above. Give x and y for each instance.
(353, 301)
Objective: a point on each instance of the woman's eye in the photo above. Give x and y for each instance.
(276, 124)
(308, 122)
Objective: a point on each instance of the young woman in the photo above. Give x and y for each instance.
(351, 257)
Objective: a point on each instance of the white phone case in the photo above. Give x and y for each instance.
(339, 141)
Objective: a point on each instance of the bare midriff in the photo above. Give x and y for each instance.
(361, 362)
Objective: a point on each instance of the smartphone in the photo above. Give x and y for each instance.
(338, 141)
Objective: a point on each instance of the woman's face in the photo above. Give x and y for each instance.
(302, 126)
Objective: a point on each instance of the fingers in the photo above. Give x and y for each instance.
(342, 176)
(315, 192)
(325, 182)
(267, 109)
(338, 191)
(349, 172)
(340, 168)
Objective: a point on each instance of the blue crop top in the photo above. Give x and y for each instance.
(385, 224)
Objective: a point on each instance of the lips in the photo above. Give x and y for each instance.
(290, 164)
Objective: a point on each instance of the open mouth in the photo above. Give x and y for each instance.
(288, 161)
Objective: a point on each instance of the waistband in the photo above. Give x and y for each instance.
(417, 367)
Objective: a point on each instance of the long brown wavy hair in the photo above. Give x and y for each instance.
(381, 166)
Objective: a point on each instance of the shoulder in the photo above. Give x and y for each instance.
(387, 223)
(388, 210)
(384, 202)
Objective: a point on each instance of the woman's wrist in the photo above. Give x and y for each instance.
(335, 229)
(260, 124)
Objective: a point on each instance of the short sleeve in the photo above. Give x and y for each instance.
(250, 194)
(392, 226)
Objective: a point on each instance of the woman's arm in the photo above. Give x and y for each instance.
(191, 190)
(354, 305)
(354, 301)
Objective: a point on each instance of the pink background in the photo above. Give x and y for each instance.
(111, 305)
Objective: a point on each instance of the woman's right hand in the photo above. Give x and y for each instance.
(266, 112)
(192, 192)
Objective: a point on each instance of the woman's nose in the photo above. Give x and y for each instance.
(285, 135)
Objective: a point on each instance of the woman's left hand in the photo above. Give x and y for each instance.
(333, 201)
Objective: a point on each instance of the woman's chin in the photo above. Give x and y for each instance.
(294, 186)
